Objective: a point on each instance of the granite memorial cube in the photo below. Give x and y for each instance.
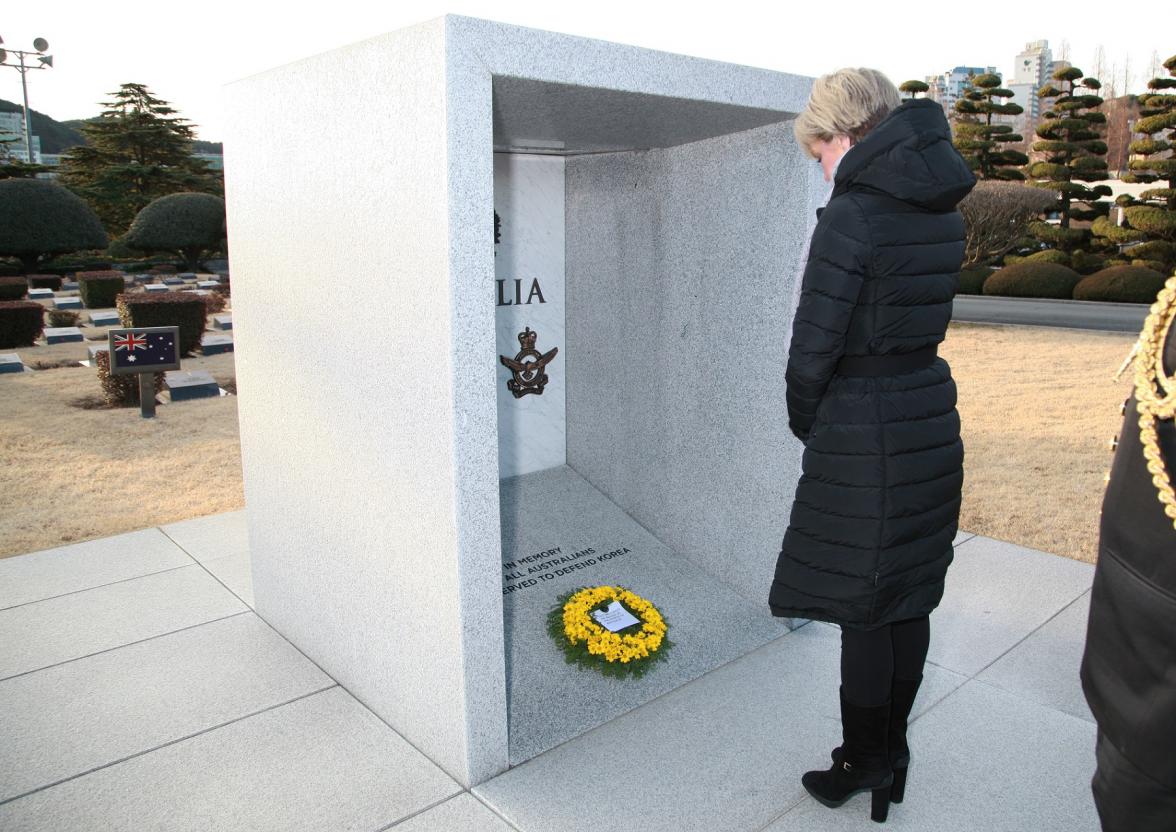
(105, 318)
(222, 321)
(63, 334)
(566, 402)
(190, 384)
(10, 363)
(156, 287)
(40, 294)
(74, 302)
(216, 344)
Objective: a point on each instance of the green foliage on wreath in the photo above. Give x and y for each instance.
(578, 653)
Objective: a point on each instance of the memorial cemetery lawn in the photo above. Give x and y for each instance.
(1038, 409)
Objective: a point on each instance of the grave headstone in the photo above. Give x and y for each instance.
(143, 277)
(222, 321)
(187, 275)
(208, 284)
(216, 344)
(10, 363)
(68, 303)
(190, 384)
(173, 280)
(63, 334)
(69, 286)
(156, 287)
(40, 294)
(97, 348)
(105, 318)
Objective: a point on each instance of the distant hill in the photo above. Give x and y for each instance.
(60, 136)
(56, 137)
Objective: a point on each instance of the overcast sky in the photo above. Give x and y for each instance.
(187, 53)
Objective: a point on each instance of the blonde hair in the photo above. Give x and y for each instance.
(849, 102)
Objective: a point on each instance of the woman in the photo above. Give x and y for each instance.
(877, 505)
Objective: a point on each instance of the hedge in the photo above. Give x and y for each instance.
(120, 390)
(13, 288)
(99, 290)
(182, 309)
(1033, 280)
(21, 323)
(45, 281)
(972, 281)
(1121, 284)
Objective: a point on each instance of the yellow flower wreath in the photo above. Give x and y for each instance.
(579, 626)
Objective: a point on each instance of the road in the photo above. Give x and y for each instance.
(1074, 314)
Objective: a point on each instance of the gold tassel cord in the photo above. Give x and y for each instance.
(1150, 402)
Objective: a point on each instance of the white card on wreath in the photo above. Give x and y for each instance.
(616, 617)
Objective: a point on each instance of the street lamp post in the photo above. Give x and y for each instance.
(43, 62)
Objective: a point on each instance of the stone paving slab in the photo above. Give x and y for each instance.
(73, 718)
(724, 752)
(463, 813)
(68, 627)
(78, 566)
(212, 537)
(983, 760)
(1044, 667)
(996, 594)
(323, 762)
(236, 573)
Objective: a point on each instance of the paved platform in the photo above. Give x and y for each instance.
(139, 690)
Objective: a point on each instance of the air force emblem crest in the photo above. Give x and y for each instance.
(528, 367)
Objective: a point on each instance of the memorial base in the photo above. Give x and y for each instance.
(559, 533)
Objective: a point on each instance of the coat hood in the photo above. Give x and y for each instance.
(908, 155)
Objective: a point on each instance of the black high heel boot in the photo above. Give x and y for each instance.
(902, 699)
(865, 765)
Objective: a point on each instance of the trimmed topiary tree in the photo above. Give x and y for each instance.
(1151, 217)
(13, 288)
(1072, 147)
(978, 140)
(185, 310)
(972, 281)
(99, 290)
(913, 88)
(40, 220)
(1121, 284)
(1033, 280)
(21, 323)
(190, 225)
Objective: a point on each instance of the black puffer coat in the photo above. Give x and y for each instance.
(877, 506)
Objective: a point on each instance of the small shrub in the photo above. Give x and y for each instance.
(63, 317)
(120, 390)
(1033, 280)
(99, 290)
(972, 281)
(1154, 265)
(13, 288)
(163, 268)
(45, 281)
(182, 309)
(1084, 262)
(215, 302)
(21, 323)
(1050, 255)
(1121, 284)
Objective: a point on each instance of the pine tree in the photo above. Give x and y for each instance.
(978, 139)
(1073, 147)
(1150, 217)
(137, 150)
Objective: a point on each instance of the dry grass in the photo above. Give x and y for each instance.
(1038, 409)
(72, 469)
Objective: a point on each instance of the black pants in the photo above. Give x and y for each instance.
(1127, 798)
(872, 659)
